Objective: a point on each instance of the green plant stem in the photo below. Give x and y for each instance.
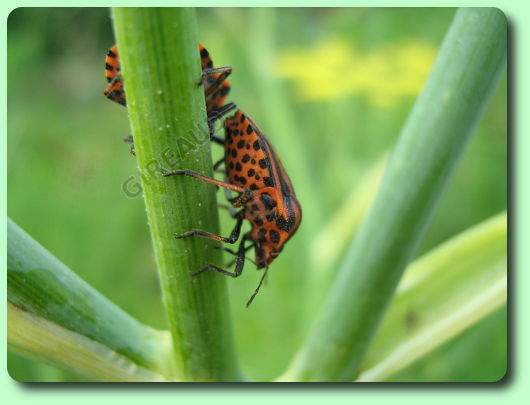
(57, 318)
(39, 339)
(161, 71)
(466, 72)
(440, 295)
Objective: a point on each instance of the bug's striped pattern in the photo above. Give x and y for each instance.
(216, 87)
(114, 91)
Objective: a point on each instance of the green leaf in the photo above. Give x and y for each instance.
(441, 294)
(466, 72)
(55, 317)
(161, 70)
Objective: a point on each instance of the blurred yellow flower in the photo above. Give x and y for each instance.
(336, 69)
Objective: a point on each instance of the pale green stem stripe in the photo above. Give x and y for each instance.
(39, 339)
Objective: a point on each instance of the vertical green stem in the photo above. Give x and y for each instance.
(466, 72)
(161, 70)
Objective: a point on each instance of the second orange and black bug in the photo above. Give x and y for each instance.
(266, 197)
(216, 87)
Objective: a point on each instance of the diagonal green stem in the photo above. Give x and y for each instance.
(466, 72)
(57, 318)
(161, 71)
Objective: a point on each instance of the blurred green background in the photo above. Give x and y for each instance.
(330, 87)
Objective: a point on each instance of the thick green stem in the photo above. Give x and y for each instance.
(161, 70)
(466, 72)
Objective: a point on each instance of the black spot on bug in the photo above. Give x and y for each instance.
(230, 140)
(253, 186)
(248, 146)
(282, 224)
(262, 235)
(255, 207)
(253, 161)
(224, 90)
(264, 163)
(256, 145)
(234, 153)
(242, 180)
(257, 177)
(268, 201)
(108, 67)
(249, 130)
(240, 144)
(260, 253)
(236, 131)
(251, 172)
(204, 53)
(270, 217)
(258, 221)
(231, 165)
(275, 236)
(239, 167)
(246, 158)
(268, 181)
(242, 118)
(111, 54)
(236, 177)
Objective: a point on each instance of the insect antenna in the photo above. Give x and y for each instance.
(259, 285)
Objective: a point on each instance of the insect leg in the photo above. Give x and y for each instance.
(214, 138)
(234, 235)
(219, 112)
(218, 163)
(208, 180)
(228, 193)
(129, 139)
(227, 250)
(215, 115)
(212, 266)
(240, 262)
(223, 73)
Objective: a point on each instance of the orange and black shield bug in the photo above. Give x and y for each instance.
(216, 87)
(266, 197)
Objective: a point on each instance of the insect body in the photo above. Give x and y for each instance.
(114, 91)
(216, 87)
(266, 196)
